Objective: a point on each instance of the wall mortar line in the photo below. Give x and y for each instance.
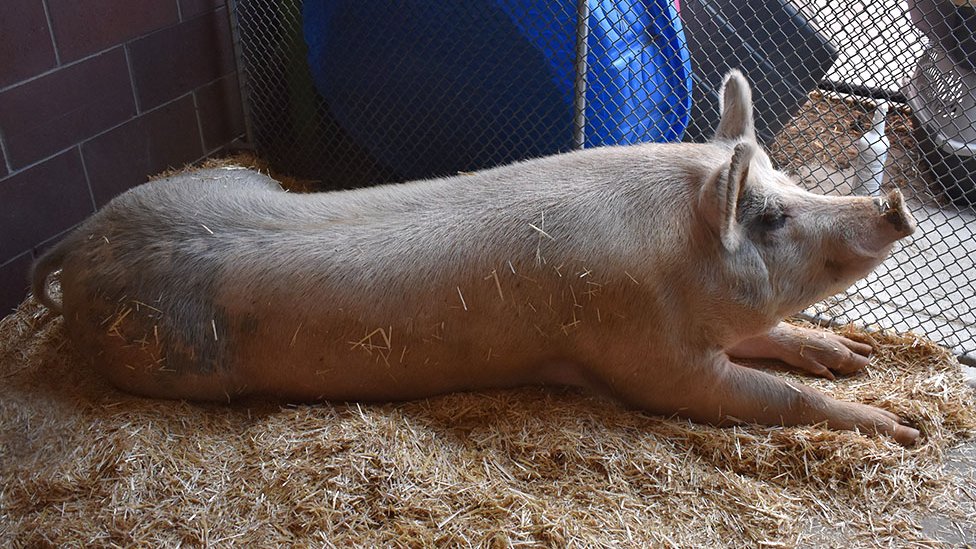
(132, 79)
(84, 170)
(196, 113)
(6, 156)
(50, 30)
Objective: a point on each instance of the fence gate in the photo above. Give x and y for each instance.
(852, 97)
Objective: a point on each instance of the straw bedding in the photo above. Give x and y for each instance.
(84, 465)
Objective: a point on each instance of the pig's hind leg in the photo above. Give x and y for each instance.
(816, 352)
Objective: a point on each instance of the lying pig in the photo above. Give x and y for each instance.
(634, 271)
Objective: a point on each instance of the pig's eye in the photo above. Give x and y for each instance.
(773, 219)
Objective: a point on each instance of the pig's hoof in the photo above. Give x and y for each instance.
(906, 436)
(825, 354)
(885, 423)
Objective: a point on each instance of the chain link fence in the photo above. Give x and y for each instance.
(852, 97)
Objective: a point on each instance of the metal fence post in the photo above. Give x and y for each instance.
(580, 66)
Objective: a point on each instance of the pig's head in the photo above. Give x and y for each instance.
(777, 247)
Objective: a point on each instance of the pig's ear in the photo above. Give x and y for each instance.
(736, 123)
(720, 195)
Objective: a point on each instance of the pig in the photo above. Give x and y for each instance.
(638, 272)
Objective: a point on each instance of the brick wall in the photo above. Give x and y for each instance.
(96, 95)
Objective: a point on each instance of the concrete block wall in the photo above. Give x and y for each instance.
(95, 96)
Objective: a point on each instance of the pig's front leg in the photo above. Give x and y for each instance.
(817, 352)
(722, 392)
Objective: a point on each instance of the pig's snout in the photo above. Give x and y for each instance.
(896, 221)
(883, 220)
(862, 232)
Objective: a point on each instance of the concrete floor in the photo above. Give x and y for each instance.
(960, 462)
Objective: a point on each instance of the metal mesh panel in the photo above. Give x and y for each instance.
(354, 93)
